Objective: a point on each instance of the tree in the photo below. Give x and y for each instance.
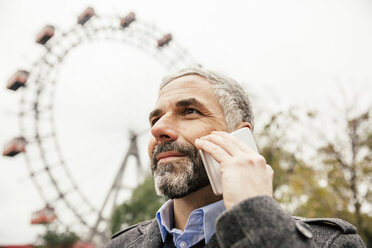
(335, 182)
(141, 206)
(54, 239)
(295, 177)
(348, 171)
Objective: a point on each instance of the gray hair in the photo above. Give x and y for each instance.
(231, 96)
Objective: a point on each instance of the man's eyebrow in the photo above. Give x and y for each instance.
(154, 113)
(182, 103)
(189, 102)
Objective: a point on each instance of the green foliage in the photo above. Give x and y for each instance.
(347, 167)
(294, 179)
(54, 239)
(141, 206)
(335, 183)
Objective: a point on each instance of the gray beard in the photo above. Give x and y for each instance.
(183, 176)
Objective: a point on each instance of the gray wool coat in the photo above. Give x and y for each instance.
(255, 222)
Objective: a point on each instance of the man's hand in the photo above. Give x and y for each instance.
(244, 173)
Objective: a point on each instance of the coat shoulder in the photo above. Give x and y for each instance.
(331, 232)
(334, 223)
(125, 236)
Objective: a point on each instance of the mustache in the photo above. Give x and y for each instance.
(188, 149)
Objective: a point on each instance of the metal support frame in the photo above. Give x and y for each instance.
(117, 185)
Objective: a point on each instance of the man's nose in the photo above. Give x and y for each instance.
(164, 129)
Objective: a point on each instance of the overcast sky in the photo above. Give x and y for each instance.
(286, 52)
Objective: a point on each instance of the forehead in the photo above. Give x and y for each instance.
(186, 87)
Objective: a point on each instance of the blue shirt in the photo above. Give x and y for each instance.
(200, 224)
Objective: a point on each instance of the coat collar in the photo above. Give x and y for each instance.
(213, 243)
(151, 237)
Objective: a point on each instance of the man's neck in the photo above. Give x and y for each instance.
(184, 206)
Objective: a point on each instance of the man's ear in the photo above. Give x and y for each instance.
(244, 124)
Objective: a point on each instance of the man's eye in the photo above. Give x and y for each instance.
(189, 111)
(154, 121)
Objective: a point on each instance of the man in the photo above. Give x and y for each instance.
(196, 109)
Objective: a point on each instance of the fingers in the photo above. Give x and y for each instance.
(224, 142)
(218, 153)
(223, 146)
(231, 144)
(236, 141)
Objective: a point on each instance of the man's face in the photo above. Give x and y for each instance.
(186, 109)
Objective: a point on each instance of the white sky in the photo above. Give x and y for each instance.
(287, 52)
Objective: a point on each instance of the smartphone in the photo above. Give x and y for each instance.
(213, 167)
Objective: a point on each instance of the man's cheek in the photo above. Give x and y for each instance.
(153, 167)
(151, 147)
(154, 164)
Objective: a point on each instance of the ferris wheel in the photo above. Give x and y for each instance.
(38, 138)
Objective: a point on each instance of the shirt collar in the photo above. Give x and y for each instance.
(211, 212)
(164, 217)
